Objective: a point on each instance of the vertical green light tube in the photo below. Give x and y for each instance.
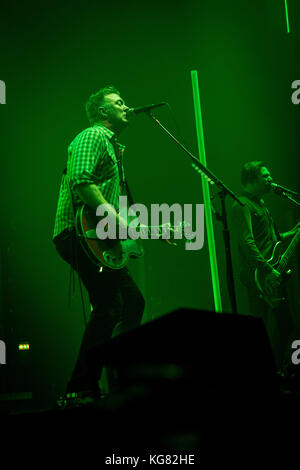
(287, 16)
(206, 196)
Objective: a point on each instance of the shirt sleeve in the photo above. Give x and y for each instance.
(248, 248)
(84, 156)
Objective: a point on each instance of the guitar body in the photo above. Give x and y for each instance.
(276, 262)
(101, 251)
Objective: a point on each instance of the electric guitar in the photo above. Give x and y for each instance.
(279, 260)
(101, 252)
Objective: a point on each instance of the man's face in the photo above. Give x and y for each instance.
(115, 111)
(262, 184)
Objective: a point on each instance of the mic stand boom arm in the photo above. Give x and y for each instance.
(288, 196)
(213, 179)
(224, 191)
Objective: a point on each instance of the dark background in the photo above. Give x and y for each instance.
(53, 56)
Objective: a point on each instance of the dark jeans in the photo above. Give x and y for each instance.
(117, 303)
(278, 323)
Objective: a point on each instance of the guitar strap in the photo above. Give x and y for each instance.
(74, 253)
(129, 194)
(119, 151)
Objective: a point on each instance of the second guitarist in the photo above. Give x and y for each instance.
(256, 237)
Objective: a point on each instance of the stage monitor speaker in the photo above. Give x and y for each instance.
(201, 351)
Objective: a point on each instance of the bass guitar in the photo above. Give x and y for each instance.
(279, 260)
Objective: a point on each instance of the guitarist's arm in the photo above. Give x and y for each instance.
(91, 195)
(83, 159)
(249, 250)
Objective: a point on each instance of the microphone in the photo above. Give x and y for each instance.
(281, 190)
(144, 109)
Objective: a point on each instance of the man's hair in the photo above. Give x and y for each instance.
(251, 171)
(96, 100)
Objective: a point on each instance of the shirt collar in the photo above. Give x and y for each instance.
(110, 134)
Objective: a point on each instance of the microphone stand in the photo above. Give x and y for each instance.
(288, 196)
(224, 191)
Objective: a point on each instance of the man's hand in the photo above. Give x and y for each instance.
(272, 281)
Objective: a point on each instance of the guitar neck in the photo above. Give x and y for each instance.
(154, 230)
(288, 253)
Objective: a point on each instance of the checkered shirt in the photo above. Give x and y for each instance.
(94, 157)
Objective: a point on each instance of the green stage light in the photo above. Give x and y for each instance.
(287, 16)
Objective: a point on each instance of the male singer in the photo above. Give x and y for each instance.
(94, 176)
